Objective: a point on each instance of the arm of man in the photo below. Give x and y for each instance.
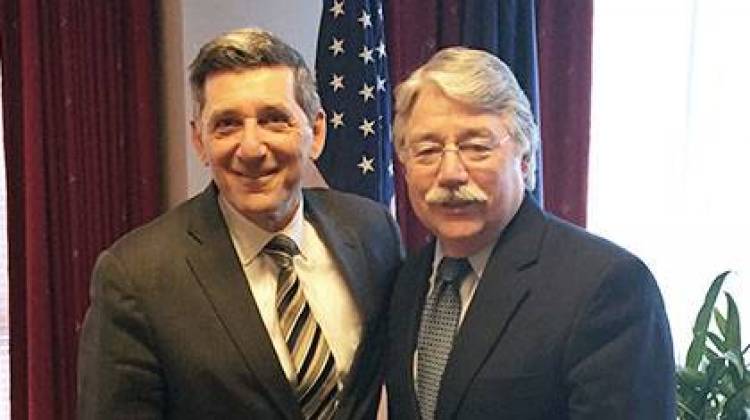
(119, 376)
(387, 258)
(619, 362)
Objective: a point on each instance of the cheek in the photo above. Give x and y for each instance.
(417, 186)
(219, 151)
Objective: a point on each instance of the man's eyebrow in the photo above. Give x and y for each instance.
(475, 132)
(274, 108)
(223, 113)
(426, 137)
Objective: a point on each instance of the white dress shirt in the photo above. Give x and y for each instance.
(329, 296)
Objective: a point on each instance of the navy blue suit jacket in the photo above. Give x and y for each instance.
(563, 325)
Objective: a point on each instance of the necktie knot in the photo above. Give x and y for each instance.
(282, 248)
(451, 271)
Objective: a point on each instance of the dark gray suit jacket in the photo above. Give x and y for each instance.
(563, 325)
(173, 331)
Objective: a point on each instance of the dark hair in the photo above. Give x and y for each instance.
(252, 48)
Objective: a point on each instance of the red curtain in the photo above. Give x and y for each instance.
(418, 28)
(565, 37)
(80, 116)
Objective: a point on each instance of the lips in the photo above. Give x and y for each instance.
(459, 209)
(458, 203)
(256, 181)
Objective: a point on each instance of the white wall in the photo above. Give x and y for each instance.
(188, 24)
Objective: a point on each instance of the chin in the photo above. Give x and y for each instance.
(461, 231)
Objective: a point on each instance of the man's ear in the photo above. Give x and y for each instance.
(197, 141)
(319, 135)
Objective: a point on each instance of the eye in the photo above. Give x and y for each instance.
(275, 120)
(226, 125)
(427, 149)
(476, 149)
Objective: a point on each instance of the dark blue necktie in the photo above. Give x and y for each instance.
(440, 316)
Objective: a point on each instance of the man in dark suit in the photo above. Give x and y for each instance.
(254, 299)
(511, 313)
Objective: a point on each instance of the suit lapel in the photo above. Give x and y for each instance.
(500, 293)
(217, 270)
(414, 277)
(347, 251)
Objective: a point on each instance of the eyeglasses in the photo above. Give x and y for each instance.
(472, 151)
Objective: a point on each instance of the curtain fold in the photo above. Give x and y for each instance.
(508, 30)
(565, 44)
(79, 95)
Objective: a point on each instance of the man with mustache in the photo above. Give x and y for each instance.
(254, 299)
(510, 313)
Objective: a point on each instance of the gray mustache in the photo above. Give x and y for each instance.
(468, 193)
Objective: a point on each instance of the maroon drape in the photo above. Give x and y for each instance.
(418, 28)
(565, 42)
(81, 150)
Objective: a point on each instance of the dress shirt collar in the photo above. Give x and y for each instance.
(478, 260)
(249, 239)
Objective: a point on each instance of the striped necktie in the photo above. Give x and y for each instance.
(317, 383)
(436, 332)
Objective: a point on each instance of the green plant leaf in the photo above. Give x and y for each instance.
(717, 342)
(686, 413)
(732, 337)
(721, 322)
(715, 371)
(698, 345)
(738, 405)
(690, 378)
(735, 360)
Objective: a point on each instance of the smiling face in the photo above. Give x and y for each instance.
(256, 139)
(467, 197)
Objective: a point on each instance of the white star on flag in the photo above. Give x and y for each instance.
(337, 46)
(337, 9)
(367, 128)
(381, 49)
(380, 82)
(366, 165)
(366, 55)
(352, 69)
(337, 119)
(365, 20)
(366, 92)
(337, 82)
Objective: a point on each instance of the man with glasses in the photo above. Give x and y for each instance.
(510, 313)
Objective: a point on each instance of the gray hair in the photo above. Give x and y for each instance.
(252, 48)
(479, 80)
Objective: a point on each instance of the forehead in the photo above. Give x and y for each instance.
(268, 85)
(434, 114)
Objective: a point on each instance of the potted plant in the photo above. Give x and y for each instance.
(715, 381)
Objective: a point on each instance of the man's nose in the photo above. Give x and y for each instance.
(451, 170)
(251, 144)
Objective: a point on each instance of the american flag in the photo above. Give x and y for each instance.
(352, 75)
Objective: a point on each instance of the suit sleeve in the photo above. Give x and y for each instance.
(391, 257)
(619, 361)
(119, 374)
